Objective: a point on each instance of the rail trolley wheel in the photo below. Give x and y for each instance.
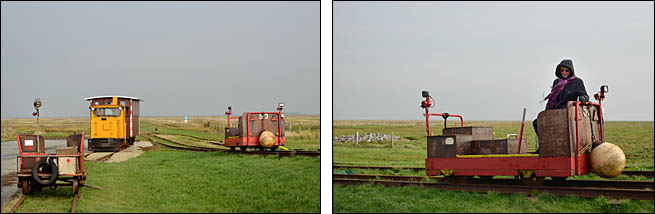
(243, 148)
(536, 181)
(559, 179)
(261, 148)
(273, 148)
(455, 179)
(27, 188)
(232, 148)
(486, 178)
(76, 186)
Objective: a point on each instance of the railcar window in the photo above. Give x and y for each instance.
(107, 112)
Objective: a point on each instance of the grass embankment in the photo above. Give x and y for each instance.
(635, 138)
(50, 128)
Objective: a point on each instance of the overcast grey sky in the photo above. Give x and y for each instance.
(488, 60)
(192, 58)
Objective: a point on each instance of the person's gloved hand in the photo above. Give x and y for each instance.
(583, 98)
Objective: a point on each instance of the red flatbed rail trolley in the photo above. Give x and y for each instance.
(565, 142)
(37, 169)
(256, 130)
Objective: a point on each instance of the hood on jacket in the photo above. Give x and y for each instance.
(566, 63)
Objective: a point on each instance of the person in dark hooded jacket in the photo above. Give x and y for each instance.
(567, 87)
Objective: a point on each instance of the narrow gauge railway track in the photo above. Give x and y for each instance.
(509, 181)
(648, 174)
(638, 194)
(178, 145)
(377, 167)
(191, 136)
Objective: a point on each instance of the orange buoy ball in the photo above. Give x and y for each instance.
(267, 139)
(607, 160)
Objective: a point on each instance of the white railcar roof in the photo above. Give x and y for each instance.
(125, 97)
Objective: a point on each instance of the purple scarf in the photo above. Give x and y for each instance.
(552, 97)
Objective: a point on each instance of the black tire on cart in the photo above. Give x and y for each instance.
(54, 170)
(273, 148)
(233, 148)
(243, 148)
(261, 148)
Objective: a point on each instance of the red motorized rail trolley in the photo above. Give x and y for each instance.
(256, 130)
(565, 142)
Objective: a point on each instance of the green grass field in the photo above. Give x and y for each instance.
(635, 138)
(168, 180)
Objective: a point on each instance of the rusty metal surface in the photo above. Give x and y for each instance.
(378, 167)
(511, 189)
(93, 187)
(486, 147)
(584, 126)
(20, 201)
(74, 140)
(477, 133)
(553, 129)
(258, 123)
(386, 177)
(70, 150)
(497, 146)
(232, 132)
(557, 130)
(77, 196)
(37, 147)
(440, 146)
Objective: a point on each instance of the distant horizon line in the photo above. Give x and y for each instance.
(421, 120)
(149, 116)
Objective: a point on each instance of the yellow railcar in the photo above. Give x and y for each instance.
(114, 122)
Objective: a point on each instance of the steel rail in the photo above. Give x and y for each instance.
(77, 196)
(20, 201)
(509, 181)
(94, 162)
(378, 167)
(648, 174)
(637, 194)
(179, 146)
(186, 145)
(192, 136)
(204, 149)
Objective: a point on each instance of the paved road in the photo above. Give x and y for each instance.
(9, 153)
